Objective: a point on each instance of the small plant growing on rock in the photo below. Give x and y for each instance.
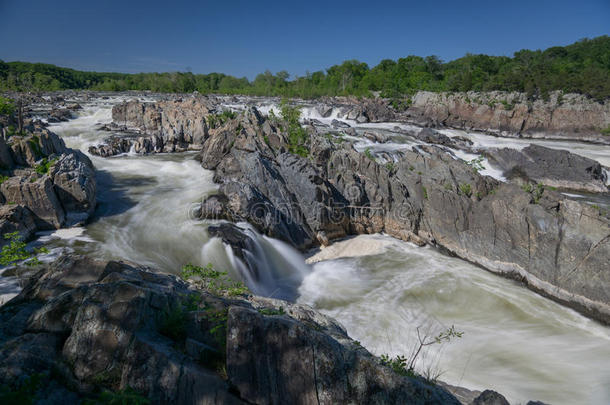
(369, 154)
(476, 164)
(466, 189)
(406, 366)
(217, 282)
(44, 166)
(390, 166)
(16, 251)
(605, 131)
(127, 396)
(271, 311)
(425, 191)
(297, 136)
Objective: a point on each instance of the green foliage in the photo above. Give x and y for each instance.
(217, 120)
(44, 166)
(390, 166)
(535, 190)
(217, 282)
(466, 189)
(582, 67)
(297, 136)
(7, 107)
(15, 251)
(271, 311)
(406, 366)
(425, 191)
(128, 396)
(24, 393)
(476, 164)
(369, 154)
(605, 131)
(398, 364)
(3, 178)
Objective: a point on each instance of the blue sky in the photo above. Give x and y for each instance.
(244, 38)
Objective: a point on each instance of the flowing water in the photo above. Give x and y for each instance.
(381, 289)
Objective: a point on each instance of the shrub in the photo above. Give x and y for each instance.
(466, 189)
(44, 166)
(369, 154)
(476, 164)
(217, 282)
(406, 366)
(16, 251)
(605, 131)
(25, 392)
(297, 136)
(7, 106)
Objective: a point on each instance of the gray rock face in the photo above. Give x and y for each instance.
(65, 195)
(86, 324)
(39, 196)
(74, 180)
(564, 116)
(551, 167)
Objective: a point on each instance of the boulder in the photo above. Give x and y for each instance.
(38, 196)
(74, 181)
(551, 167)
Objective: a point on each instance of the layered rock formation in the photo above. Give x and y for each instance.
(82, 326)
(166, 126)
(45, 185)
(562, 116)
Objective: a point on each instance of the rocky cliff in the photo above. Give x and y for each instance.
(45, 185)
(568, 116)
(83, 328)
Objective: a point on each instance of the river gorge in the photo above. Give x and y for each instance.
(380, 288)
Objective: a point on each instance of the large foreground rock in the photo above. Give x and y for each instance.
(87, 325)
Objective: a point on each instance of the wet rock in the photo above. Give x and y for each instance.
(552, 167)
(489, 397)
(86, 325)
(16, 218)
(324, 110)
(74, 181)
(339, 124)
(39, 196)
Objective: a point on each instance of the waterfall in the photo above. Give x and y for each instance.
(268, 267)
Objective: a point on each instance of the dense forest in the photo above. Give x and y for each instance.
(583, 67)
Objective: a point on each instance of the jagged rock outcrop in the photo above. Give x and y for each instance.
(166, 126)
(52, 185)
(552, 167)
(563, 116)
(556, 246)
(84, 325)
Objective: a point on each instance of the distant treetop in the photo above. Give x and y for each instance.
(582, 67)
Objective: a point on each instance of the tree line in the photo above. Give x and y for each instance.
(582, 67)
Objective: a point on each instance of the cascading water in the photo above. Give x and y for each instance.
(381, 289)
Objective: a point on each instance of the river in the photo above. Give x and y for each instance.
(379, 288)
